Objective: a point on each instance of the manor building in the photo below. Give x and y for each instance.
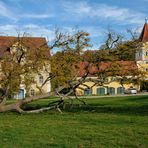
(111, 86)
(9, 44)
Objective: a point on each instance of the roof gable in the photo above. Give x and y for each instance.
(144, 34)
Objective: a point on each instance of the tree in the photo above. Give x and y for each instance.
(18, 68)
(64, 66)
(118, 48)
(126, 50)
(112, 40)
(123, 72)
(119, 55)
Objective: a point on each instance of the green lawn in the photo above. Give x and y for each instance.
(103, 123)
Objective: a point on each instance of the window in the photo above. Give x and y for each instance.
(111, 91)
(146, 69)
(120, 90)
(106, 80)
(146, 53)
(101, 91)
(32, 92)
(87, 92)
(41, 79)
(113, 78)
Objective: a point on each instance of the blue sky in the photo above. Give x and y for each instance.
(42, 17)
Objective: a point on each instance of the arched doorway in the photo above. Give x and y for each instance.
(101, 91)
(120, 90)
(111, 90)
(87, 92)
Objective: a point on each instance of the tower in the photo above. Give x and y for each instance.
(142, 52)
(142, 56)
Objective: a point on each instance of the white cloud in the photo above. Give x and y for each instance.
(94, 31)
(36, 30)
(35, 16)
(5, 11)
(103, 11)
(48, 31)
(123, 15)
(30, 30)
(79, 8)
(95, 34)
(8, 29)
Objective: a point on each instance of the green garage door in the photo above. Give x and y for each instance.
(87, 92)
(101, 91)
(111, 90)
(120, 90)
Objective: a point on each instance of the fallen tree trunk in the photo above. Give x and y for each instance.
(17, 106)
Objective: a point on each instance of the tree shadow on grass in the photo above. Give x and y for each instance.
(128, 110)
(136, 99)
(101, 108)
(139, 106)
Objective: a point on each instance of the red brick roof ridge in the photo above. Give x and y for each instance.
(125, 65)
(9, 40)
(30, 42)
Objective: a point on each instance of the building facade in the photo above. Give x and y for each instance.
(113, 82)
(142, 55)
(142, 52)
(28, 44)
(112, 86)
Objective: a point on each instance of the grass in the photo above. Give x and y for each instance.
(103, 123)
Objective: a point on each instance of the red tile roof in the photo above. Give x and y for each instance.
(111, 68)
(144, 34)
(29, 42)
